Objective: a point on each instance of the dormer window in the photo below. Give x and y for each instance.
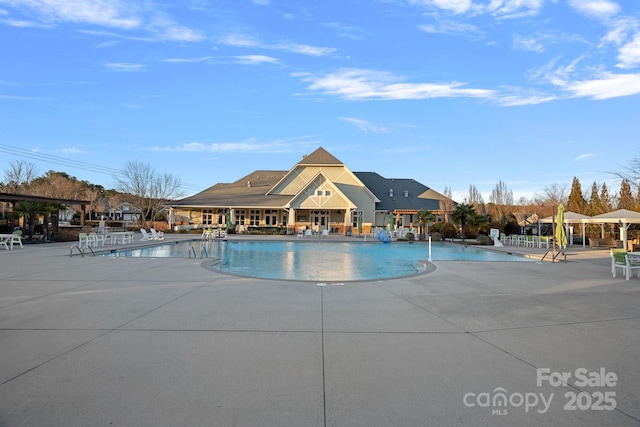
(391, 192)
(406, 193)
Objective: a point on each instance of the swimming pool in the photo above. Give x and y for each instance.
(318, 261)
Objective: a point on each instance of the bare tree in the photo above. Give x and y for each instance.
(19, 176)
(631, 173)
(554, 194)
(475, 199)
(502, 200)
(147, 189)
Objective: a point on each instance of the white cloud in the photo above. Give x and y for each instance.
(533, 43)
(305, 49)
(364, 125)
(256, 59)
(110, 13)
(609, 86)
(629, 54)
(621, 29)
(248, 41)
(73, 150)
(359, 84)
(188, 60)
(251, 145)
(449, 27)
(514, 8)
(105, 13)
(596, 8)
(517, 98)
(583, 156)
(124, 66)
(240, 40)
(455, 6)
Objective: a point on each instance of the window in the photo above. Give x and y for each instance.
(271, 217)
(254, 217)
(222, 216)
(354, 218)
(327, 193)
(207, 217)
(319, 193)
(240, 213)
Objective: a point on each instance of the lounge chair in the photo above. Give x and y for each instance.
(308, 233)
(3, 243)
(300, 232)
(157, 235)
(145, 235)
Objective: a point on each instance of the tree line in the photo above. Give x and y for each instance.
(137, 184)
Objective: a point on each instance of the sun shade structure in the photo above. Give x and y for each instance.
(623, 217)
(569, 218)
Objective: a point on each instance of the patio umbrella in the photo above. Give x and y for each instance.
(228, 218)
(560, 234)
(391, 226)
(359, 223)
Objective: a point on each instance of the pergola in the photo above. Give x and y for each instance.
(569, 218)
(13, 198)
(623, 217)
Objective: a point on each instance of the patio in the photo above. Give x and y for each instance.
(164, 342)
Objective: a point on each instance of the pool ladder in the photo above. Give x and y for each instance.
(80, 249)
(203, 252)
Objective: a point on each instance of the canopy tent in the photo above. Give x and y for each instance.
(623, 217)
(569, 218)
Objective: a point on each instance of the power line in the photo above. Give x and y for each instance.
(49, 158)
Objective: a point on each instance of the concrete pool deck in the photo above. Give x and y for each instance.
(164, 342)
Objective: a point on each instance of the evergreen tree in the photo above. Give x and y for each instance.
(605, 199)
(576, 202)
(595, 204)
(625, 201)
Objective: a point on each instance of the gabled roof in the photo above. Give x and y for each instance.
(248, 191)
(381, 187)
(320, 157)
(332, 185)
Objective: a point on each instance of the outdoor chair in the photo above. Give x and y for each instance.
(156, 235)
(16, 237)
(84, 240)
(145, 235)
(618, 260)
(633, 263)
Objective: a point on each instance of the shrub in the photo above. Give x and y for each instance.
(483, 239)
(436, 236)
(410, 237)
(449, 231)
(511, 228)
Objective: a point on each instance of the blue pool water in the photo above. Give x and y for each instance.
(318, 261)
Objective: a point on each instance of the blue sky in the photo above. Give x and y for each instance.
(448, 92)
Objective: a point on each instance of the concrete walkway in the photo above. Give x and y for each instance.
(164, 342)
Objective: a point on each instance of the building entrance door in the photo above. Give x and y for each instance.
(319, 221)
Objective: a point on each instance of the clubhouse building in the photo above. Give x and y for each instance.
(318, 193)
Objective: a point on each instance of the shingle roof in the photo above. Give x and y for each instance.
(320, 157)
(381, 187)
(248, 191)
(251, 190)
